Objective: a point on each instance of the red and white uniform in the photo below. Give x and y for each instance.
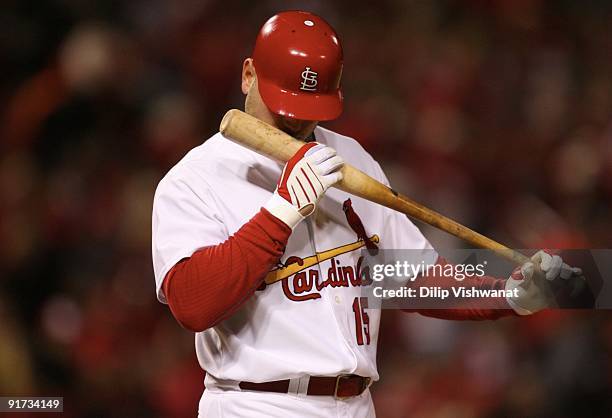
(312, 325)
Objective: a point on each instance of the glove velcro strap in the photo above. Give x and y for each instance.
(284, 211)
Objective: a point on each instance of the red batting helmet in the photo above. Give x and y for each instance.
(298, 60)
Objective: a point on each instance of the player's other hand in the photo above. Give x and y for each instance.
(305, 178)
(535, 281)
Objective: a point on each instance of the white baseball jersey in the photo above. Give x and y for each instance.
(312, 322)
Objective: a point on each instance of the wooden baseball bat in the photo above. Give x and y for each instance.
(276, 144)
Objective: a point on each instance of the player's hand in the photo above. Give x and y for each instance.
(534, 281)
(305, 178)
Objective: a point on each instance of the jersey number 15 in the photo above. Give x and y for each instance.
(362, 320)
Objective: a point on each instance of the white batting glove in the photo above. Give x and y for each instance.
(305, 178)
(533, 281)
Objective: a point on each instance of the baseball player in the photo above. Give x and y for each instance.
(227, 220)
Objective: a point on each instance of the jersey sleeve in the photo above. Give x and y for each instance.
(185, 219)
(474, 309)
(401, 233)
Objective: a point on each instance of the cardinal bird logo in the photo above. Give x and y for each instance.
(357, 226)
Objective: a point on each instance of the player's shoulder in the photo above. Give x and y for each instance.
(350, 149)
(207, 162)
(340, 142)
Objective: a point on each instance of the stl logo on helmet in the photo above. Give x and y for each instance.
(309, 80)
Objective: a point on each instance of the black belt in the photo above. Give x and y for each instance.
(340, 387)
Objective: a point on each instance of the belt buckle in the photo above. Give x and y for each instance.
(365, 384)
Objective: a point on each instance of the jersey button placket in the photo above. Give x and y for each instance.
(334, 301)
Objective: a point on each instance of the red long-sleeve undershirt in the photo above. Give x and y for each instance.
(469, 308)
(215, 281)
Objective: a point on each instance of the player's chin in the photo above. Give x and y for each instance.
(301, 134)
(297, 129)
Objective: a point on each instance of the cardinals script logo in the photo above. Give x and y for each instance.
(301, 282)
(309, 80)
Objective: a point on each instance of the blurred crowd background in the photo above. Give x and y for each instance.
(495, 112)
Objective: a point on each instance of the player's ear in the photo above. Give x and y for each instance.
(248, 75)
